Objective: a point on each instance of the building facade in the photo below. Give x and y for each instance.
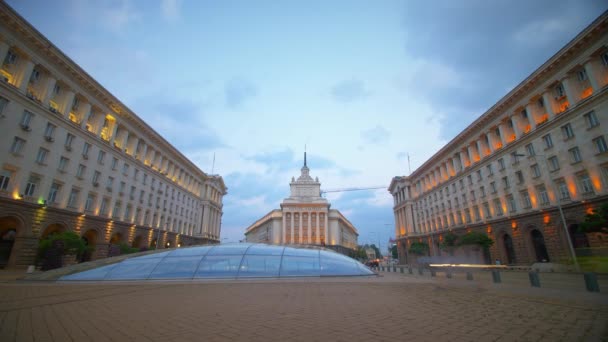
(542, 147)
(73, 157)
(305, 218)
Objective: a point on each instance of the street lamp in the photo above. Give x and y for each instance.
(559, 207)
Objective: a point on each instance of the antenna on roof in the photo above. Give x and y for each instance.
(304, 154)
(213, 164)
(409, 167)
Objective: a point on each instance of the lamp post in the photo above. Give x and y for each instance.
(559, 207)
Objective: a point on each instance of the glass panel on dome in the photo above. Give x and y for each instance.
(136, 268)
(337, 266)
(191, 251)
(219, 266)
(153, 255)
(229, 249)
(265, 250)
(176, 268)
(94, 274)
(294, 266)
(304, 252)
(260, 266)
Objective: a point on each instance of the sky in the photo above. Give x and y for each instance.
(363, 84)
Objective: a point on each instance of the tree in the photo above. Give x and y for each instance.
(419, 248)
(596, 221)
(394, 252)
(378, 254)
(476, 238)
(449, 242)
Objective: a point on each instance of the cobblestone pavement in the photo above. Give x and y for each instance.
(393, 307)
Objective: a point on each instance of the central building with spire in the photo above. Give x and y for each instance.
(305, 218)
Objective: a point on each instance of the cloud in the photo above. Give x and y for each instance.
(170, 9)
(376, 135)
(117, 16)
(542, 31)
(349, 91)
(237, 91)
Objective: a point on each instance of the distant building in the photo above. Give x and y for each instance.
(305, 218)
(371, 253)
(542, 146)
(74, 158)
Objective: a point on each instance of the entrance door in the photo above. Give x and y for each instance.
(538, 241)
(509, 250)
(7, 240)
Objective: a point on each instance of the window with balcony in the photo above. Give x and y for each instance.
(553, 163)
(116, 210)
(585, 184)
(501, 164)
(69, 139)
(490, 169)
(17, 146)
(520, 177)
(100, 157)
(41, 156)
(53, 191)
(472, 195)
(567, 131)
(125, 169)
(63, 164)
(103, 207)
(95, 179)
(49, 132)
(109, 183)
(114, 163)
(31, 185)
(530, 150)
(548, 141)
(575, 155)
(564, 192)
(26, 120)
(498, 207)
(85, 150)
(3, 104)
(493, 187)
(80, 171)
(600, 144)
(591, 119)
(505, 182)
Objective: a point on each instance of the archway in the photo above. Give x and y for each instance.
(137, 242)
(579, 239)
(116, 239)
(509, 250)
(90, 239)
(54, 228)
(540, 249)
(8, 232)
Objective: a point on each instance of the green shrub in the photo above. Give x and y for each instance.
(476, 238)
(126, 249)
(73, 243)
(419, 248)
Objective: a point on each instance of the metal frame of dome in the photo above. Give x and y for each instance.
(228, 261)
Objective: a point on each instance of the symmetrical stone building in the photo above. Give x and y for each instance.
(541, 147)
(305, 218)
(73, 157)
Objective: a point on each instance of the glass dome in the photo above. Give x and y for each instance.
(241, 260)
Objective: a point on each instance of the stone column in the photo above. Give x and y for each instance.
(24, 75)
(66, 106)
(309, 229)
(318, 241)
(48, 90)
(532, 113)
(503, 134)
(569, 90)
(283, 227)
(300, 227)
(592, 68)
(3, 50)
(549, 104)
(464, 158)
(471, 153)
(85, 111)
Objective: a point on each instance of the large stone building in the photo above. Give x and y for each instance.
(305, 218)
(73, 157)
(541, 147)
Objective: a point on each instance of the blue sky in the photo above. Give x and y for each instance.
(361, 83)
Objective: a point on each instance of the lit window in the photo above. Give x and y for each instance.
(63, 163)
(548, 141)
(17, 146)
(575, 155)
(41, 157)
(585, 183)
(30, 187)
(553, 164)
(54, 190)
(535, 170)
(600, 144)
(5, 178)
(567, 131)
(591, 119)
(525, 199)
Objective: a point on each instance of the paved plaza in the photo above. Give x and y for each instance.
(392, 307)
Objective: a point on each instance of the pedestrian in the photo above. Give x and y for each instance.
(497, 262)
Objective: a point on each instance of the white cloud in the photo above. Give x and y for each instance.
(170, 10)
(542, 31)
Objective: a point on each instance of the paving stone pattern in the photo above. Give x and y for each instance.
(391, 307)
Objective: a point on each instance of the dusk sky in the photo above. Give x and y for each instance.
(361, 83)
